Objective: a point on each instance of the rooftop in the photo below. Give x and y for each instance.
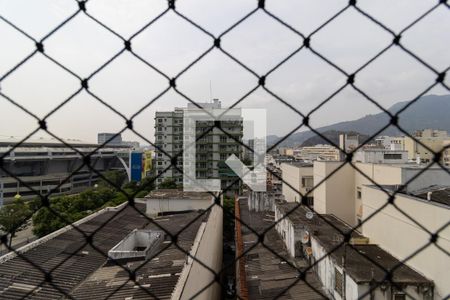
(363, 262)
(267, 274)
(299, 164)
(49, 142)
(83, 272)
(436, 193)
(178, 194)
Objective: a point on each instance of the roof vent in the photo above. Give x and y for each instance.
(137, 245)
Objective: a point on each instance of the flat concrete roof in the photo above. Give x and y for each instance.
(439, 194)
(299, 164)
(178, 194)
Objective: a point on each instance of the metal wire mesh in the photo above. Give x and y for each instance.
(307, 43)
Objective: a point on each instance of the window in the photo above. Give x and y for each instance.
(358, 193)
(338, 282)
(399, 296)
(307, 181)
(392, 156)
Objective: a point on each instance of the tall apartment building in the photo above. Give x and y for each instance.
(212, 149)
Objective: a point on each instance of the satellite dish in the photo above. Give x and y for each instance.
(305, 237)
(309, 215)
(308, 251)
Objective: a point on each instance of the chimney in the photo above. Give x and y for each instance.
(429, 196)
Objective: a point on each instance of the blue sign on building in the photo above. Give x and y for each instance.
(136, 166)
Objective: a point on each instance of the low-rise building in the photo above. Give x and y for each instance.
(130, 257)
(262, 274)
(404, 229)
(446, 153)
(355, 269)
(319, 152)
(434, 140)
(381, 156)
(391, 142)
(348, 142)
(297, 181)
(340, 189)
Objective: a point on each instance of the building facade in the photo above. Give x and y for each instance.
(103, 137)
(298, 180)
(340, 192)
(381, 156)
(213, 147)
(434, 140)
(401, 236)
(44, 166)
(319, 152)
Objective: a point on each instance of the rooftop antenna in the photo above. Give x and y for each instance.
(210, 91)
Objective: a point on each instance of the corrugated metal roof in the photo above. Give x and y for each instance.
(81, 270)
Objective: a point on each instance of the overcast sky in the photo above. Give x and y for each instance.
(171, 44)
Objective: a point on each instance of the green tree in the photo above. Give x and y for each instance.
(13, 217)
(116, 177)
(168, 183)
(228, 218)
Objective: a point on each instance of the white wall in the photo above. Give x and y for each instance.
(336, 195)
(155, 206)
(209, 252)
(401, 237)
(292, 175)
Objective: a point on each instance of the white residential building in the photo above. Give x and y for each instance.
(297, 181)
(401, 235)
(340, 191)
(381, 156)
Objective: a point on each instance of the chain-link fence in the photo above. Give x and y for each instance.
(47, 274)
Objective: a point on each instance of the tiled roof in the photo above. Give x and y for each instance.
(268, 274)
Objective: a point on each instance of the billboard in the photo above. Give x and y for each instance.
(136, 166)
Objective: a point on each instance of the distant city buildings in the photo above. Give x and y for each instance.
(385, 149)
(434, 140)
(348, 142)
(318, 152)
(381, 156)
(390, 142)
